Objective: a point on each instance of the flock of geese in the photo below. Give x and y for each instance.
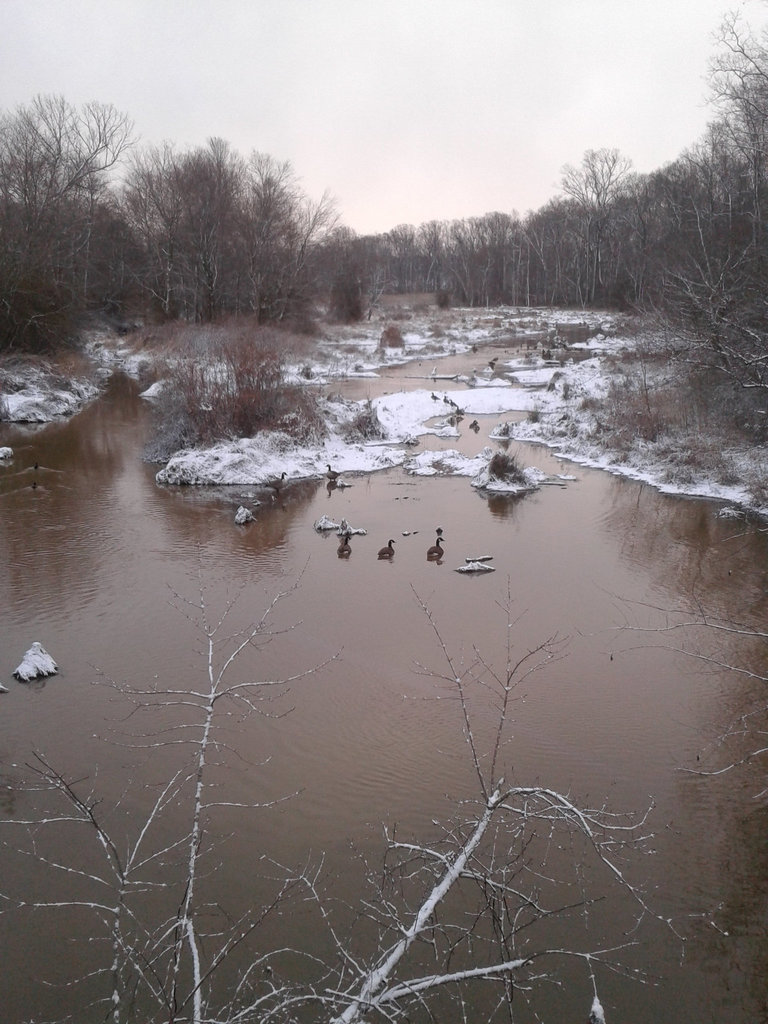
(344, 550)
(434, 553)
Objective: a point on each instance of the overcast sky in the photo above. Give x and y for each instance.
(405, 110)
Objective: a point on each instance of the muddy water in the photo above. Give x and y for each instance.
(103, 567)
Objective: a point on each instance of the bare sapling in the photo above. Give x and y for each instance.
(467, 923)
(148, 894)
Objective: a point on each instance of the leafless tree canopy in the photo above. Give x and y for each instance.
(206, 233)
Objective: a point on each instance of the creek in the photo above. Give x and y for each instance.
(99, 562)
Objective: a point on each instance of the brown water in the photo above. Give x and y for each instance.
(98, 559)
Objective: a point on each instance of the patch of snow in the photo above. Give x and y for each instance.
(154, 390)
(446, 463)
(727, 512)
(475, 567)
(39, 400)
(345, 528)
(596, 1013)
(6, 453)
(325, 523)
(35, 664)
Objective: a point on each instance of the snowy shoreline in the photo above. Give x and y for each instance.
(559, 396)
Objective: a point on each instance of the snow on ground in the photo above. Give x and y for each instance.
(566, 421)
(36, 395)
(262, 459)
(558, 396)
(110, 353)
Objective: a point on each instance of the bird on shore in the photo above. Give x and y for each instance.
(344, 550)
(332, 475)
(492, 363)
(388, 551)
(435, 552)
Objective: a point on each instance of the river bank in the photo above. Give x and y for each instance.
(568, 379)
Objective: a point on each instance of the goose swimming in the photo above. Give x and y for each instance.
(436, 551)
(344, 550)
(388, 551)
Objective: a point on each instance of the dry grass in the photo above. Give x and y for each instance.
(392, 337)
(366, 425)
(504, 466)
(229, 382)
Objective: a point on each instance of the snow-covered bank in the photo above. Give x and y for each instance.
(553, 372)
(37, 394)
(570, 417)
(563, 398)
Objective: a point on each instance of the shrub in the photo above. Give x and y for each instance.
(392, 337)
(231, 383)
(504, 466)
(443, 298)
(534, 415)
(365, 425)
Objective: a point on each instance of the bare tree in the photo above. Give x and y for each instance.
(165, 962)
(595, 187)
(463, 909)
(54, 164)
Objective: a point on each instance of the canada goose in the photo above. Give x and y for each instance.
(435, 552)
(492, 363)
(332, 474)
(388, 551)
(344, 550)
(277, 484)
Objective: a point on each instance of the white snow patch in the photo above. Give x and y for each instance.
(596, 1013)
(154, 390)
(446, 463)
(40, 402)
(6, 453)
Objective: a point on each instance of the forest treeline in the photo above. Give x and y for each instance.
(91, 221)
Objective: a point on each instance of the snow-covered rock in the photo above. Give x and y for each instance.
(243, 515)
(475, 567)
(345, 528)
(6, 453)
(326, 523)
(35, 664)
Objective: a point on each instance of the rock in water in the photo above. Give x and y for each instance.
(36, 663)
(243, 515)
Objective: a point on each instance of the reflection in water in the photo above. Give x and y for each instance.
(96, 555)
